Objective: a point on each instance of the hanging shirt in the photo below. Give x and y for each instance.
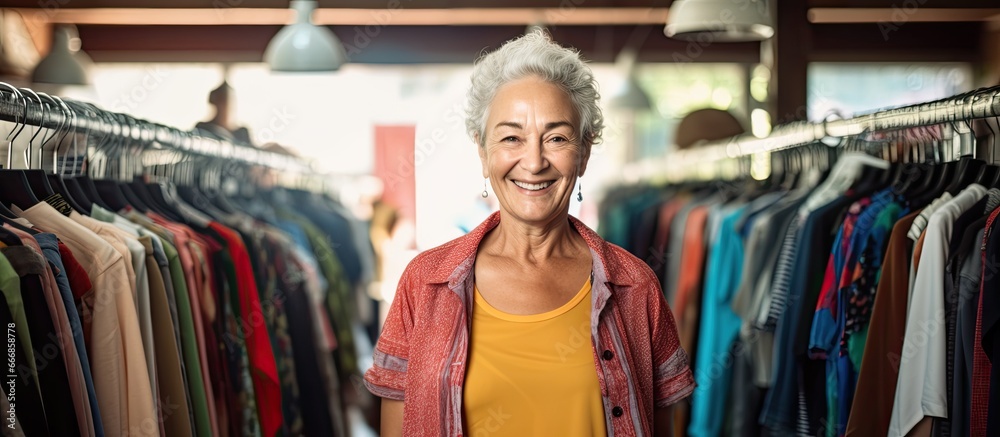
(264, 374)
(923, 347)
(115, 343)
(718, 328)
(64, 339)
(981, 367)
(969, 279)
(47, 335)
(50, 249)
(991, 320)
(30, 412)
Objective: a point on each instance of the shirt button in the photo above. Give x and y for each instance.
(607, 355)
(617, 411)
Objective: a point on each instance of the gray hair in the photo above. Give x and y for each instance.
(534, 54)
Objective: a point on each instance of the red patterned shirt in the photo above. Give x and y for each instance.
(423, 350)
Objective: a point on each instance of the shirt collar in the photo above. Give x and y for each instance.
(463, 250)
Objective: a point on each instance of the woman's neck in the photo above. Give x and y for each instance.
(533, 243)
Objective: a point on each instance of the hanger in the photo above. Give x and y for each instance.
(942, 173)
(872, 177)
(84, 180)
(36, 176)
(107, 187)
(968, 168)
(72, 186)
(17, 191)
(161, 198)
(989, 172)
(133, 159)
(205, 191)
(55, 180)
(994, 180)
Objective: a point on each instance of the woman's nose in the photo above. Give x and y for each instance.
(533, 159)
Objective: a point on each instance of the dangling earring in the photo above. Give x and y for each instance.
(485, 193)
(579, 192)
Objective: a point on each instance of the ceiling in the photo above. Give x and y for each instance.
(456, 31)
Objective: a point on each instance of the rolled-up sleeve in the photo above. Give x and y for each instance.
(387, 377)
(672, 377)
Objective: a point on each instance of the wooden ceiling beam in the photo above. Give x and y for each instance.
(392, 45)
(395, 15)
(899, 15)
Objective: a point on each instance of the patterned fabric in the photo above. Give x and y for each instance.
(782, 276)
(243, 414)
(339, 301)
(271, 255)
(981, 366)
(422, 353)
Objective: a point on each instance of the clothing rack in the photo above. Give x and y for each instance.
(713, 157)
(36, 109)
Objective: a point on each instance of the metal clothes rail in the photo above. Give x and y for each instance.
(957, 110)
(37, 109)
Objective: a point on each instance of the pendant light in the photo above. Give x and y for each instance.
(631, 96)
(65, 64)
(303, 46)
(719, 20)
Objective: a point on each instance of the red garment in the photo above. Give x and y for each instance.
(687, 306)
(265, 372)
(981, 366)
(79, 281)
(668, 211)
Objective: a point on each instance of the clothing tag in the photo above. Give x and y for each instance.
(60, 204)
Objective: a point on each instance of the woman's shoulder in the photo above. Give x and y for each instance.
(438, 263)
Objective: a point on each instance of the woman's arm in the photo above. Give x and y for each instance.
(392, 418)
(663, 423)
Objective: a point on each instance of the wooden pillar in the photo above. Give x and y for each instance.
(788, 51)
(990, 54)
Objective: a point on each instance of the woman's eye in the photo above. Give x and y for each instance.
(558, 139)
(509, 139)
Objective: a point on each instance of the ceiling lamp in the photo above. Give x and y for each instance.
(719, 20)
(65, 64)
(303, 46)
(631, 96)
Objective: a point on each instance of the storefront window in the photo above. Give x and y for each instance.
(848, 89)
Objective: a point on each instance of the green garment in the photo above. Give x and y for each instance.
(339, 299)
(10, 285)
(196, 385)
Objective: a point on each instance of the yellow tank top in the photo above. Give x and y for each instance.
(534, 374)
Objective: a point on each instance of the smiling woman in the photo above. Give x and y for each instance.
(483, 337)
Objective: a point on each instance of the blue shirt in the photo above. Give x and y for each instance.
(719, 327)
(50, 249)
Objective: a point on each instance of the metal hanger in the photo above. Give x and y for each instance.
(55, 180)
(17, 190)
(36, 176)
(73, 187)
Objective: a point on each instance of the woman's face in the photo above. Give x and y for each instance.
(532, 153)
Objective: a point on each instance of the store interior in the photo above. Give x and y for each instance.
(357, 108)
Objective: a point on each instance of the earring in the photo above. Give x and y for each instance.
(579, 192)
(485, 193)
